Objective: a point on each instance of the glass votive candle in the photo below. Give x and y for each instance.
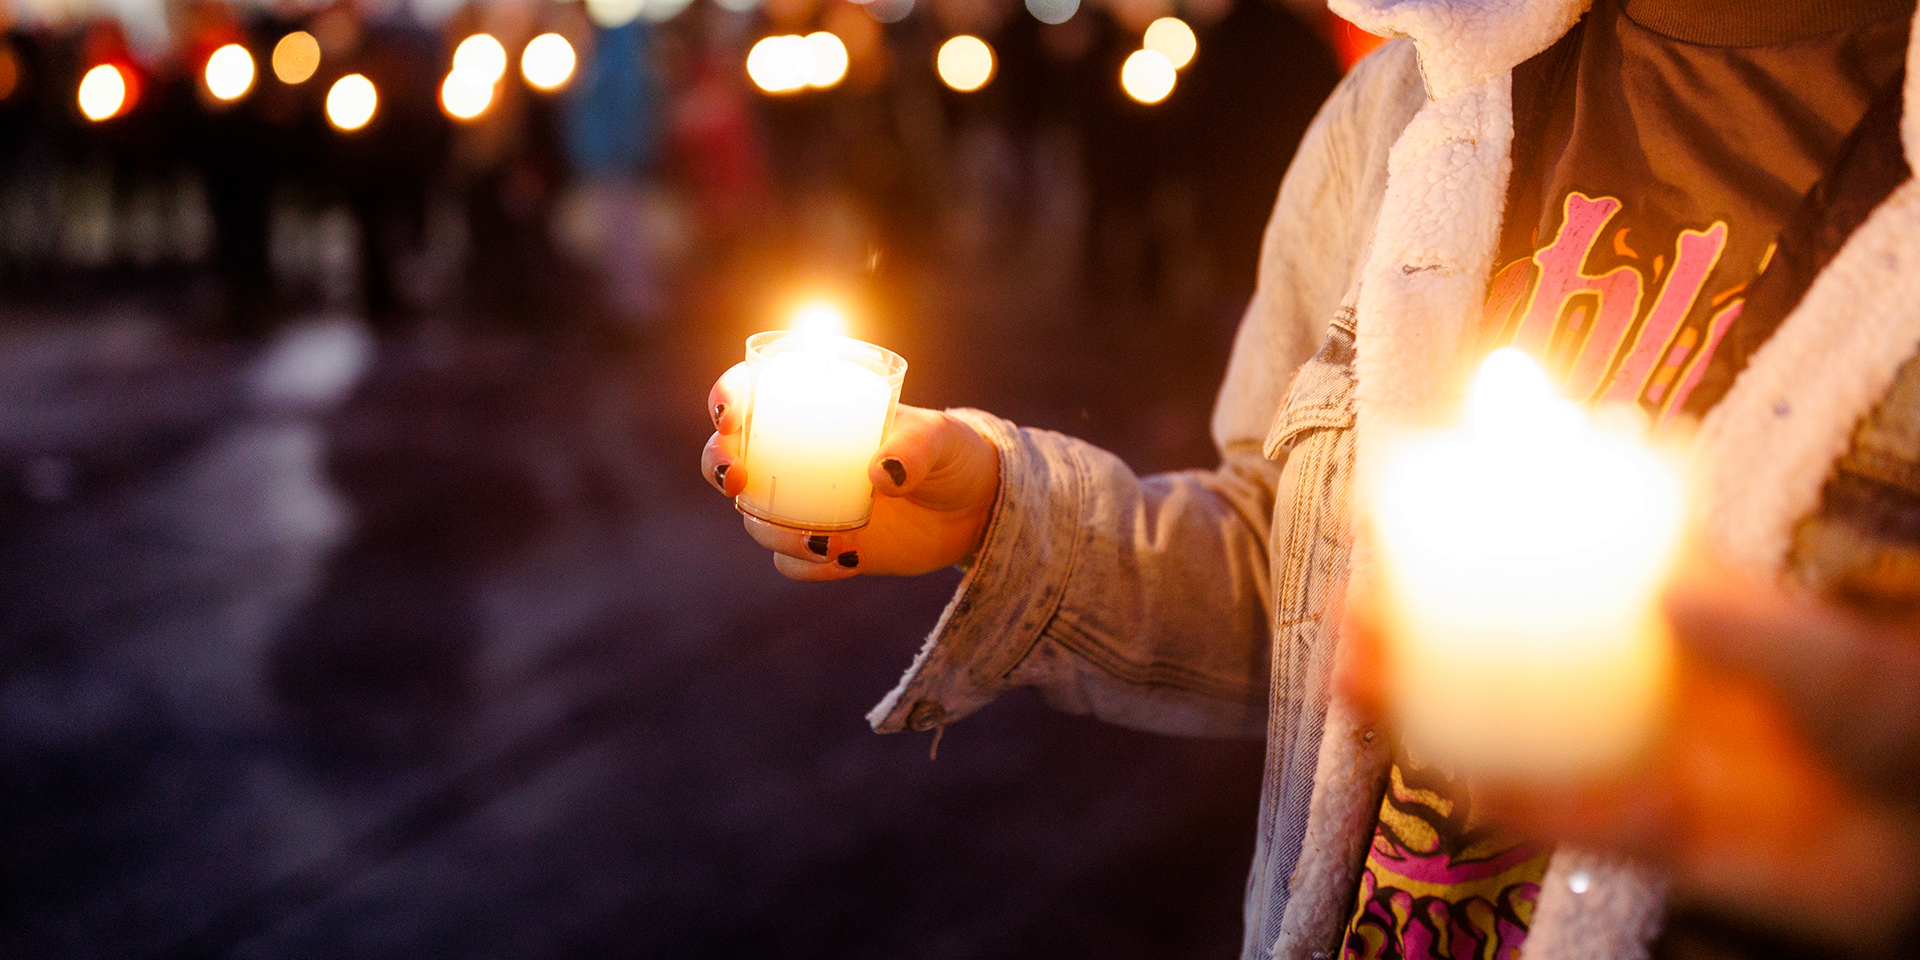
(818, 409)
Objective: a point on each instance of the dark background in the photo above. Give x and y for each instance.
(363, 598)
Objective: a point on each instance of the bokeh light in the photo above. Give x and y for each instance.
(888, 11)
(660, 11)
(351, 102)
(1053, 11)
(103, 91)
(464, 99)
(1147, 76)
(613, 14)
(296, 57)
(229, 72)
(480, 59)
(547, 62)
(965, 63)
(829, 59)
(1172, 38)
(781, 64)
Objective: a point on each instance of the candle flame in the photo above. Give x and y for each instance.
(1512, 396)
(1531, 475)
(820, 321)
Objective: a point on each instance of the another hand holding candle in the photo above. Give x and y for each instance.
(933, 479)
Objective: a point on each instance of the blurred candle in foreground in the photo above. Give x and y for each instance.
(820, 405)
(1522, 558)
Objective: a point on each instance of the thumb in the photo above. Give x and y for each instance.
(936, 459)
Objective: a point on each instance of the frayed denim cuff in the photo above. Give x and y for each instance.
(1011, 591)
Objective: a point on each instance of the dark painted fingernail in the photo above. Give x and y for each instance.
(849, 560)
(719, 410)
(895, 469)
(818, 544)
(720, 475)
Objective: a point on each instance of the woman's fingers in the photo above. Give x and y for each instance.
(835, 548)
(796, 569)
(726, 402)
(937, 460)
(805, 555)
(719, 466)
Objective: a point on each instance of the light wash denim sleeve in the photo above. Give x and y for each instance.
(1148, 601)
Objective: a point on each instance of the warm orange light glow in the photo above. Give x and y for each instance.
(480, 59)
(1147, 76)
(351, 102)
(103, 92)
(9, 71)
(1173, 39)
(464, 99)
(548, 61)
(229, 72)
(296, 57)
(965, 63)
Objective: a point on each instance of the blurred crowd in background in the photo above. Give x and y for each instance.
(534, 161)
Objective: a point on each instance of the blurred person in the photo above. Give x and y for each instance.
(239, 162)
(387, 168)
(1259, 72)
(505, 165)
(1131, 158)
(1696, 206)
(611, 135)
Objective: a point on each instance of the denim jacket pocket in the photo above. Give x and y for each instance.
(1321, 397)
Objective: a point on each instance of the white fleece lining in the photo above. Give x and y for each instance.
(1465, 43)
(1767, 449)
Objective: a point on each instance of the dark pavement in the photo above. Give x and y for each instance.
(436, 645)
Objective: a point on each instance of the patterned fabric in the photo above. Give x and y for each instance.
(1438, 884)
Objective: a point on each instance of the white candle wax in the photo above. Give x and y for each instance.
(1523, 558)
(820, 408)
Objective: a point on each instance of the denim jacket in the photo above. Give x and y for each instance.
(1206, 602)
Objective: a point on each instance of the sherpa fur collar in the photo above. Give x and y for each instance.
(1765, 451)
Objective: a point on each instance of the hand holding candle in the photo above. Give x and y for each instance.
(1521, 560)
(803, 443)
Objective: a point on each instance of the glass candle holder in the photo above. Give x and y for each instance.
(818, 409)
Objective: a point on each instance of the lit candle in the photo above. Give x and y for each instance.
(1522, 559)
(820, 405)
